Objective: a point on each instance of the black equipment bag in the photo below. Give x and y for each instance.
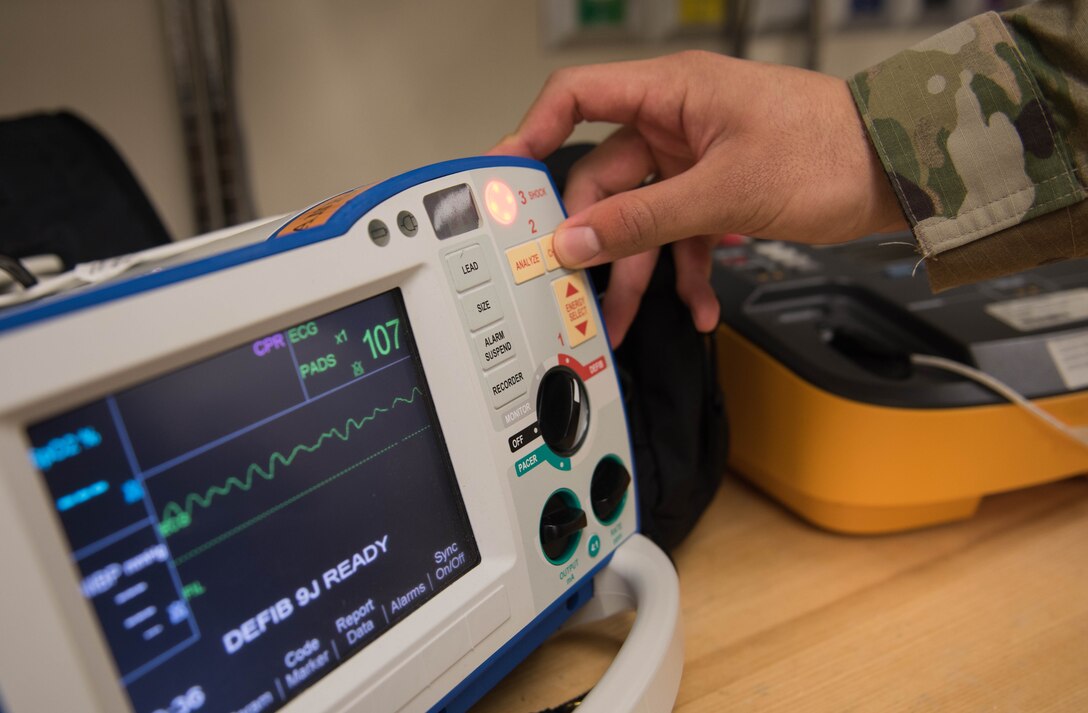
(675, 411)
(65, 190)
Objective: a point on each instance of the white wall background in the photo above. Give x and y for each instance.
(333, 93)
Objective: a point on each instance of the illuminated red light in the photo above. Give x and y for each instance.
(500, 202)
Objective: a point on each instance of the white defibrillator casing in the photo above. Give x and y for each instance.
(364, 465)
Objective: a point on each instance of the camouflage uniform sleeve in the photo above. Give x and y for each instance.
(981, 130)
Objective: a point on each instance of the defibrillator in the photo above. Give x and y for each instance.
(361, 458)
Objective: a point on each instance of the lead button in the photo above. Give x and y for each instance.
(468, 268)
(481, 307)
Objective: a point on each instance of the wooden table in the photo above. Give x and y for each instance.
(990, 614)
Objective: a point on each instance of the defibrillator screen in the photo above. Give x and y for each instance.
(244, 524)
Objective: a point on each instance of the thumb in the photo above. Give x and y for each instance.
(637, 220)
(510, 145)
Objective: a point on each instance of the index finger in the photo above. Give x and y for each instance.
(602, 92)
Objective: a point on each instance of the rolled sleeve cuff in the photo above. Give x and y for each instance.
(966, 137)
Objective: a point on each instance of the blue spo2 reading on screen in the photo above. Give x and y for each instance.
(243, 525)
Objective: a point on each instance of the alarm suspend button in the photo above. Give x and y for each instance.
(494, 346)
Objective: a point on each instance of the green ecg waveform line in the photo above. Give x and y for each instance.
(172, 511)
(241, 527)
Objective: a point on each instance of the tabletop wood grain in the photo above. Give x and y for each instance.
(989, 614)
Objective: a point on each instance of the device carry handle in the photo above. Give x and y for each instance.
(645, 675)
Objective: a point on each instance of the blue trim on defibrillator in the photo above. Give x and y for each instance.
(337, 225)
(348, 214)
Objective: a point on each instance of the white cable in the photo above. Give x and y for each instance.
(1077, 433)
(98, 271)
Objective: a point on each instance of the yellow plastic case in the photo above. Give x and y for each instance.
(859, 468)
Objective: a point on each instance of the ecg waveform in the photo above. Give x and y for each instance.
(177, 516)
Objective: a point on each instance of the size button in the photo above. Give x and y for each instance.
(468, 268)
(481, 307)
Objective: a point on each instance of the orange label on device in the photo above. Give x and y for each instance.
(320, 213)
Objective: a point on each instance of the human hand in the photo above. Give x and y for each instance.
(733, 146)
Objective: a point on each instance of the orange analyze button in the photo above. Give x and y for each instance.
(525, 262)
(575, 309)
